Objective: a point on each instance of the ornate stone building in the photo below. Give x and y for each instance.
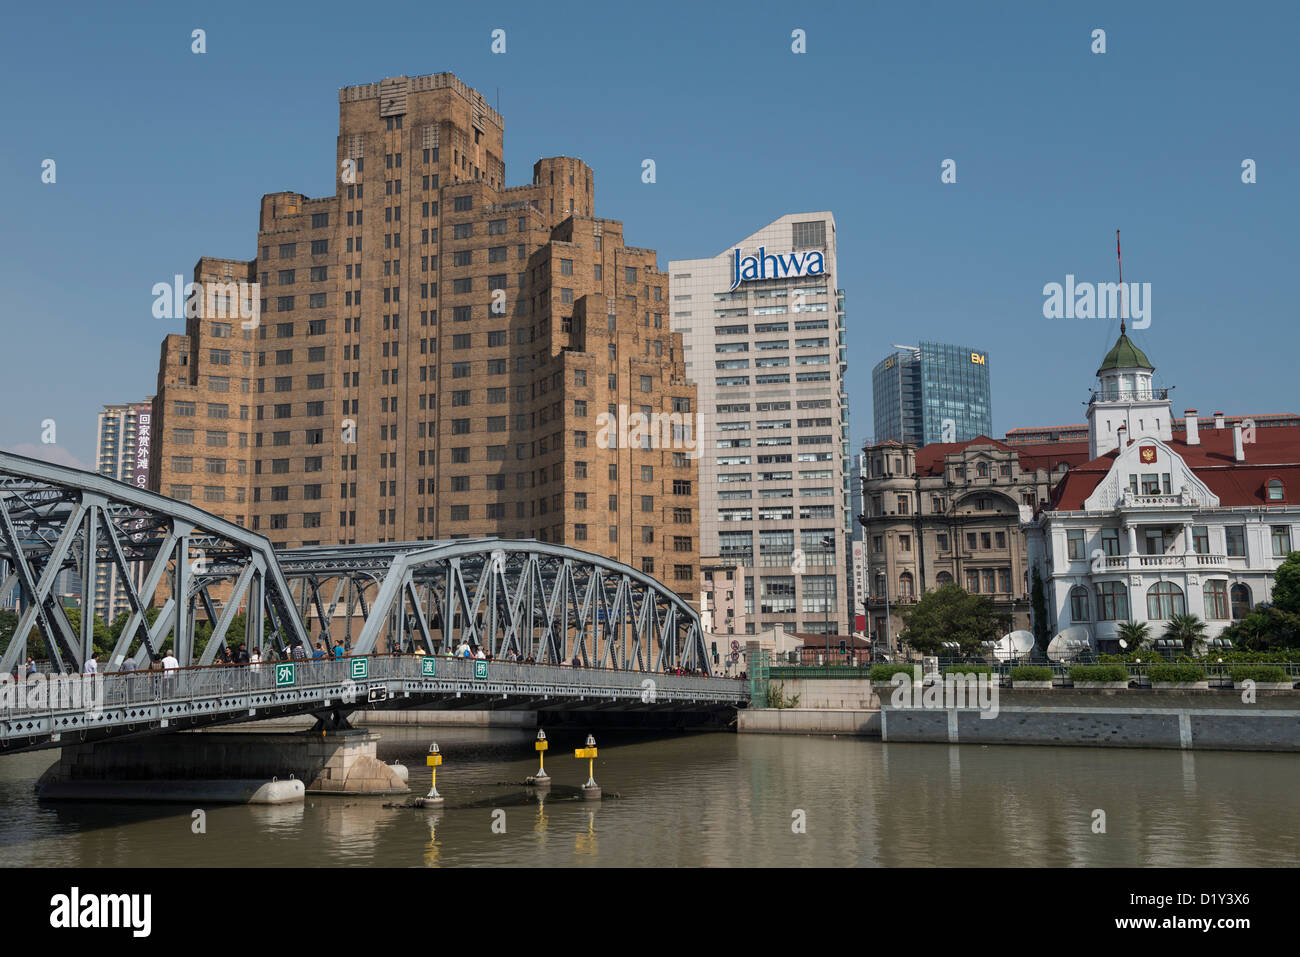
(1164, 520)
(951, 513)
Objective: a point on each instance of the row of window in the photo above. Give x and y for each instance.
(1234, 541)
(1164, 601)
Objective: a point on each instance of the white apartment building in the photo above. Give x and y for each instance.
(123, 437)
(762, 325)
(1163, 522)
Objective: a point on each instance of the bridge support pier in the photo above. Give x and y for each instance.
(172, 766)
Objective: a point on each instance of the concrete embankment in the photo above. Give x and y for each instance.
(246, 766)
(1134, 718)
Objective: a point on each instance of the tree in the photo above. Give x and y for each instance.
(1040, 612)
(1265, 629)
(1286, 585)
(951, 613)
(1188, 629)
(1135, 634)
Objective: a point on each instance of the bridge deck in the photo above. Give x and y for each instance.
(151, 702)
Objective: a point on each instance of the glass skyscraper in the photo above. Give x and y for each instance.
(932, 392)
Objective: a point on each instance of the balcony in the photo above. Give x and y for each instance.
(1141, 562)
(1138, 395)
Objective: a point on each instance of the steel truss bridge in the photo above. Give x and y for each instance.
(543, 604)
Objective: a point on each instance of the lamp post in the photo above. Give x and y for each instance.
(828, 542)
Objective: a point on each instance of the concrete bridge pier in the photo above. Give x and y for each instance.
(189, 764)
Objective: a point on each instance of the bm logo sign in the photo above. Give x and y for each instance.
(978, 358)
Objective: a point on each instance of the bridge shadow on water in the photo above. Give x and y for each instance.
(22, 816)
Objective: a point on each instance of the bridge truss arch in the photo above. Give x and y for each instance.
(526, 598)
(55, 519)
(523, 598)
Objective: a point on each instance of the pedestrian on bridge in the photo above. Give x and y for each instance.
(91, 667)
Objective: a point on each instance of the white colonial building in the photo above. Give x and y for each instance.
(1159, 522)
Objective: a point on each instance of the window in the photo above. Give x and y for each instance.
(1201, 541)
(1164, 601)
(1075, 542)
(905, 585)
(1112, 601)
(943, 579)
(1109, 542)
(1079, 604)
(1235, 536)
(1216, 599)
(1240, 600)
(1276, 490)
(1281, 541)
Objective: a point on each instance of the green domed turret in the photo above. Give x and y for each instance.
(1125, 355)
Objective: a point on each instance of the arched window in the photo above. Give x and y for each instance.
(1079, 604)
(1276, 490)
(1241, 601)
(943, 578)
(905, 589)
(1216, 599)
(1112, 601)
(1164, 601)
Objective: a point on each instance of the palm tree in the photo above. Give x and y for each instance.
(1134, 634)
(1188, 629)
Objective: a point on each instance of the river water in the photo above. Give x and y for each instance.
(712, 799)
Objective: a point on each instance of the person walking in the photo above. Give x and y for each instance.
(170, 668)
(91, 667)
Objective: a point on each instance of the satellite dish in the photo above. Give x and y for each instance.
(1069, 644)
(1022, 642)
(1015, 644)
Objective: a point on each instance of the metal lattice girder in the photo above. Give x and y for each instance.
(534, 599)
(55, 519)
(526, 597)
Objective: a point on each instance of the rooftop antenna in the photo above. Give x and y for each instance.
(1120, 259)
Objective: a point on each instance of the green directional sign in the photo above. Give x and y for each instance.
(284, 675)
(360, 668)
(428, 667)
(480, 670)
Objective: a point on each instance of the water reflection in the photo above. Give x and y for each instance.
(714, 799)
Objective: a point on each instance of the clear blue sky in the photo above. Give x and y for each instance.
(162, 157)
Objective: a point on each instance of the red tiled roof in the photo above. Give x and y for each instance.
(1048, 455)
(1275, 453)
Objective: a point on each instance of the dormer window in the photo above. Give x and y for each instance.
(1276, 490)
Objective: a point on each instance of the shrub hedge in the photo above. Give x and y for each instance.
(1098, 673)
(1258, 673)
(1031, 673)
(886, 672)
(1176, 673)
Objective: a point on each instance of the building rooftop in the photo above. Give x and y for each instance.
(1275, 453)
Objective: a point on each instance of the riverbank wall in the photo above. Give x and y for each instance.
(1195, 719)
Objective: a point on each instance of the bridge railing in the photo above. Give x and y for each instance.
(120, 689)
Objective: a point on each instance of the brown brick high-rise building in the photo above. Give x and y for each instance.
(433, 354)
